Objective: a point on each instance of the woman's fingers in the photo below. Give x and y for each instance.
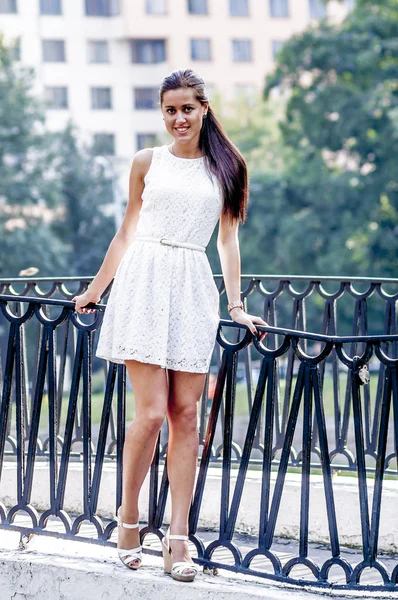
(251, 321)
(80, 304)
(259, 321)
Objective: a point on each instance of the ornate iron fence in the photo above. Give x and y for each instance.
(326, 305)
(286, 394)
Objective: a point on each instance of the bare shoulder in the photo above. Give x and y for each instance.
(141, 162)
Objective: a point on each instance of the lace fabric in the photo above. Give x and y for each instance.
(163, 307)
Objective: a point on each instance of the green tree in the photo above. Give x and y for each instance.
(342, 122)
(252, 125)
(54, 199)
(86, 227)
(29, 190)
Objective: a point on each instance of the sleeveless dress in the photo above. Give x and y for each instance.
(163, 307)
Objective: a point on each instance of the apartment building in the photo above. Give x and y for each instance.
(100, 62)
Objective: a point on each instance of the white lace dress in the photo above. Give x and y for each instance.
(163, 307)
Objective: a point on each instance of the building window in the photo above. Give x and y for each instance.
(146, 98)
(98, 51)
(8, 6)
(200, 49)
(317, 9)
(241, 50)
(53, 50)
(101, 98)
(155, 7)
(197, 7)
(277, 45)
(50, 7)
(148, 51)
(145, 140)
(239, 8)
(102, 8)
(279, 8)
(104, 144)
(57, 97)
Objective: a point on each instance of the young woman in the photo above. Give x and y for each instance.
(162, 313)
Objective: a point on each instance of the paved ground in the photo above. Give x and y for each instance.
(59, 570)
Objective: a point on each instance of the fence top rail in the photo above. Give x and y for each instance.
(309, 335)
(294, 333)
(247, 276)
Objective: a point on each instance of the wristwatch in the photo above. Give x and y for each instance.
(235, 304)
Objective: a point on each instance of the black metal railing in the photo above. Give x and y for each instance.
(285, 394)
(328, 305)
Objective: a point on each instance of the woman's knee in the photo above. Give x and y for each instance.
(151, 420)
(184, 417)
(151, 390)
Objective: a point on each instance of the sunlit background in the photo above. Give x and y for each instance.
(306, 89)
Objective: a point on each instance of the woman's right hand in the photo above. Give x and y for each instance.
(83, 299)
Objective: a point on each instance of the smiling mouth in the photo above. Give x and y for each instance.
(181, 129)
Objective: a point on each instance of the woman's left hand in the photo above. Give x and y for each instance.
(240, 316)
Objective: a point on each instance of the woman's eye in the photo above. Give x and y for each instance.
(187, 108)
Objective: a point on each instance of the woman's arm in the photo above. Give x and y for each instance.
(124, 236)
(229, 253)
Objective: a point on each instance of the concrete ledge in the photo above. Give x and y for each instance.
(78, 571)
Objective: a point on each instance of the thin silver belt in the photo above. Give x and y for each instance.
(167, 242)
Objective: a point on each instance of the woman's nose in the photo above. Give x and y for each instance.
(180, 118)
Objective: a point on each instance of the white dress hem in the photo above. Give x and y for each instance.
(169, 364)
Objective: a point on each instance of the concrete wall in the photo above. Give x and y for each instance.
(345, 493)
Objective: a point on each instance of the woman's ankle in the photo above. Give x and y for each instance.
(178, 528)
(129, 515)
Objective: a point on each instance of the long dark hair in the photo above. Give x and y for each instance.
(222, 158)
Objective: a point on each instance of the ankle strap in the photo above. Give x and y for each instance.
(126, 525)
(184, 538)
(129, 525)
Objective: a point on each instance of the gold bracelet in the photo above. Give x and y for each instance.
(235, 304)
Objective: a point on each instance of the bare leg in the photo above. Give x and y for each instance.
(150, 386)
(185, 392)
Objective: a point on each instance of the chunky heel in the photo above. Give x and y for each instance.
(167, 559)
(180, 571)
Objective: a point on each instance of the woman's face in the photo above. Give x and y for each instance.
(183, 114)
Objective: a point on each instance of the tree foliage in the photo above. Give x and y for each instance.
(323, 185)
(342, 122)
(28, 191)
(52, 197)
(87, 225)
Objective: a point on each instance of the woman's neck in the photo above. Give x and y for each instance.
(185, 150)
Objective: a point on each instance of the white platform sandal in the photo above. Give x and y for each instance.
(180, 571)
(127, 556)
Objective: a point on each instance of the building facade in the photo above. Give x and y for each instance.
(99, 63)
